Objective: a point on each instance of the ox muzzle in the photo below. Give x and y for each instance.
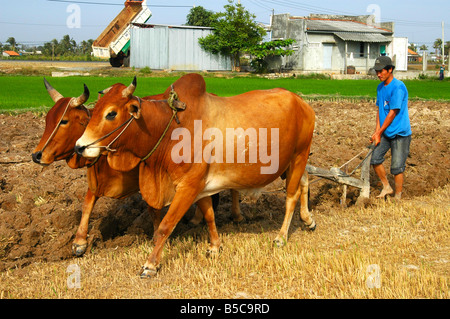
(37, 157)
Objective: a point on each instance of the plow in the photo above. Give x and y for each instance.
(341, 176)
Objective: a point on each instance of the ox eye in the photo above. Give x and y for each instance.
(111, 115)
(64, 122)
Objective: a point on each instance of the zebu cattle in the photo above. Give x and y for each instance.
(187, 152)
(65, 123)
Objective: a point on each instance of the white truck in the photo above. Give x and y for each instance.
(114, 42)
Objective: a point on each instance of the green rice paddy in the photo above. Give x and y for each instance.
(28, 92)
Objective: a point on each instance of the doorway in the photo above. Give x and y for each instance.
(327, 55)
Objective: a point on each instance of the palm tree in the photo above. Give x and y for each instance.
(12, 42)
(423, 47)
(437, 45)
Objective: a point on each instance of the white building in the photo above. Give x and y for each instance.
(338, 44)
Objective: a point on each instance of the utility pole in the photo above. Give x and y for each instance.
(443, 52)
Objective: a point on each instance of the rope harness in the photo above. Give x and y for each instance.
(176, 106)
(173, 103)
(56, 127)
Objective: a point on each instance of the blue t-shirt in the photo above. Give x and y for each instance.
(390, 97)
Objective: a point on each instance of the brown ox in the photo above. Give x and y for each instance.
(65, 123)
(181, 163)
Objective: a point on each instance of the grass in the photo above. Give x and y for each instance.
(407, 241)
(28, 92)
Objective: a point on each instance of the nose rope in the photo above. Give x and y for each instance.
(108, 147)
(173, 103)
(57, 126)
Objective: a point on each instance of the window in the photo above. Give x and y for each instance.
(361, 49)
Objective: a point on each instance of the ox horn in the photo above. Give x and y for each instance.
(55, 95)
(128, 92)
(105, 90)
(82, 98)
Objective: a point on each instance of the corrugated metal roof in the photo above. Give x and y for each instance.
(362, 37)
(149, 26)
(341, 26)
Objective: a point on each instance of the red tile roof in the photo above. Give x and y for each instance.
(11, 53)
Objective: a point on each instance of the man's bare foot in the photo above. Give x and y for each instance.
(387, 190)
(398, 196)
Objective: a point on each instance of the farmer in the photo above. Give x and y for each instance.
(393, 128)
(441, 72)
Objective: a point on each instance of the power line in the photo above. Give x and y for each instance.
(117, 4)
(303, 6)
(48, 24)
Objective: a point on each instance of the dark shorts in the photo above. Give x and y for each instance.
(399, 147)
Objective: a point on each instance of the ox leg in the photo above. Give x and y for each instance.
(198, 217)
(296, 187)
(183, 199)
(156, 219)
(236, 208)
(79, 245)
(305, 215)
(206, 207)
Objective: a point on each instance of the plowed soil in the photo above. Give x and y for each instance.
(40, 208)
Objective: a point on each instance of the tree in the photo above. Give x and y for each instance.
(269, 49)
(412, 47)
(86, 46)
(423, 47)
(235, 30)
(437, 45)
(67, 46)
(200, 17)
(12, 42)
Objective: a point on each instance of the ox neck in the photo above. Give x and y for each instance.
(175, 109)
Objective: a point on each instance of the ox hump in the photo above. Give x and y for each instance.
(191, 85)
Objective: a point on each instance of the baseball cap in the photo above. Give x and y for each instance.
(382, 62)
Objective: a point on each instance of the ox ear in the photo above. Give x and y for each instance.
(81, 99)
(134, 108)
(128, 92)
(55, 95)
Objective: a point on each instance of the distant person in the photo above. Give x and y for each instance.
(441, 72)
(393, 128)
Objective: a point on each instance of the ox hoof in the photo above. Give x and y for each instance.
(279, 242)
(213, 252)
(79, 250)
(239, 220)
(310, 227)
(148, 272)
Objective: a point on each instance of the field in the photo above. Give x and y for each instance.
(385, 249)
(26, 92)
(13, 98)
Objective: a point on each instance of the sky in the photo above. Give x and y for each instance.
(34, 22)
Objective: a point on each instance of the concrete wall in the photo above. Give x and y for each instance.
(398, 52)
(283, 28)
